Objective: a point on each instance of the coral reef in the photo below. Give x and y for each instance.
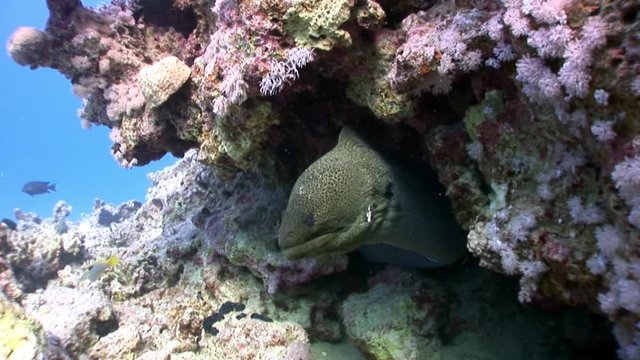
(76, 316)
(162, 79)
(26, 45)
(198, 279)
(404, 335)
(166, 277)
(405, 315)
(526, 109)
(21, 338)
(41, 248)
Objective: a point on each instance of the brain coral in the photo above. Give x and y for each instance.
(161, 79)
(26, 45)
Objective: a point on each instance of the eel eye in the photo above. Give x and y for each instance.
(310, 221)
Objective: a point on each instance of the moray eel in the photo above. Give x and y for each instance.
(354, 196)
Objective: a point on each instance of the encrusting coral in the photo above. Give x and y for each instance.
(526, 109)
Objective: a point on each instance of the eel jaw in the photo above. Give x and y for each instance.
(315, 247)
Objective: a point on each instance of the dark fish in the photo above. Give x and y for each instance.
(230, 306)
(208, 327)
(10, 224)
(207, 323)
(38, 187)
(214, 318)
(261, 317)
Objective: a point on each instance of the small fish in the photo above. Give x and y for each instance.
(261, 317)
(207, 326)
(38, 187)
(230, 306)
(209, 321)
(10, 223)
(97, 268)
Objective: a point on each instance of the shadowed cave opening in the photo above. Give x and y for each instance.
(161, 13)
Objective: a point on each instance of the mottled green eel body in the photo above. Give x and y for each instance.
(354, 196)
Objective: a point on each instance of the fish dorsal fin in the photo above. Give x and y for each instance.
(350, 139)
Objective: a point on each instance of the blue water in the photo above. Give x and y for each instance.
(41, 137)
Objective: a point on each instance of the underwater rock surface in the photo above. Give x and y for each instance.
(527, 111)
(460, 313)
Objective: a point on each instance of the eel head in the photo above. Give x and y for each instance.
(335, 203)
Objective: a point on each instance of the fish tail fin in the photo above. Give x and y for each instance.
(52, 187)
(113, 260)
